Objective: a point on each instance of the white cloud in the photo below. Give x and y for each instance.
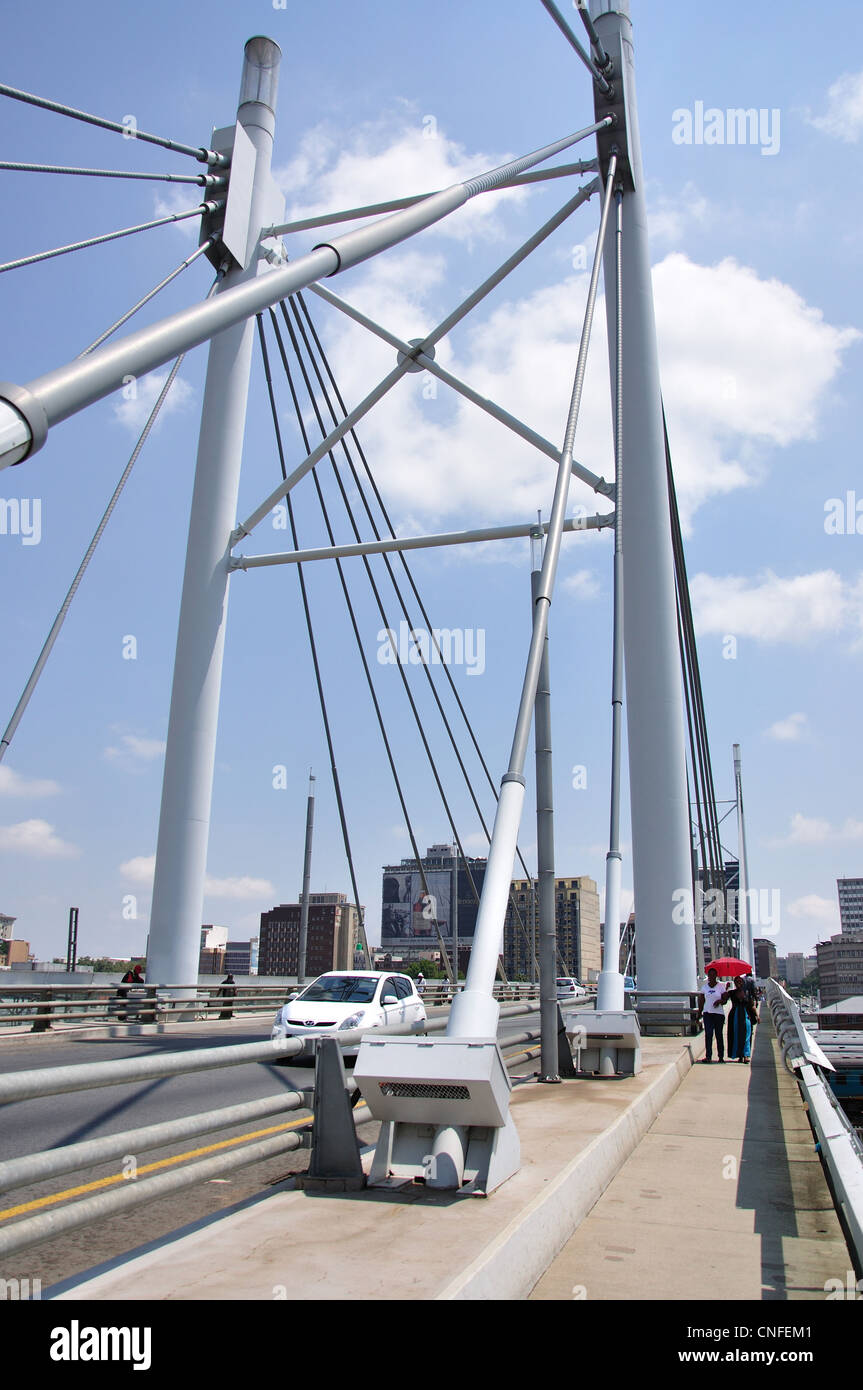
(813, 830)
(134, 751)
(180, 199)
(669, 219)
(583, 584)
(745, 363)
(238, 888)
(141, 870)
(732, 394)
(788, 730)
(773, 609)
(844, 115)
(14, 784)
(813, 907)
(133, 413)
(37, 838)
(392, 158)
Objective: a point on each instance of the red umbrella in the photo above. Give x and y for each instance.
(729, 965)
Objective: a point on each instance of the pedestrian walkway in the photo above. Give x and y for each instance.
(712, 1188)
(724, 1198)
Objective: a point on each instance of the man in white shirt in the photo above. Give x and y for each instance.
(711, 1004)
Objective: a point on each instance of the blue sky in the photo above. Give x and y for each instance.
(756, 250)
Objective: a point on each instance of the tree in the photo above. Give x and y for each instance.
(429, 968)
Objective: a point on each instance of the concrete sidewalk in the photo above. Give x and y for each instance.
(724, 1198)
(670, 1225)
(415, 1243)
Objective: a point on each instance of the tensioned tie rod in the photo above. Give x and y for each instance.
(429, 628)
(198, 152)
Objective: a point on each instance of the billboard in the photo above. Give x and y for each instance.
(409, 913)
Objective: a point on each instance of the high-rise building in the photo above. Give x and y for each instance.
(795, 967)
(719, 909)
(765, 959)
(850, 903)
(415, 916)
(333, 933)
(241, 957)
(576, 910)
(840, 967)
(211, 960)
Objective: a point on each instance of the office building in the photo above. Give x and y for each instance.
(840, 967)
(766, 965)
(211, 960)
(333, 933)
(576, 904)
(416, 914)
(850, 903)
(241, 957)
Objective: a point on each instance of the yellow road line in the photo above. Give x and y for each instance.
(147, 1168)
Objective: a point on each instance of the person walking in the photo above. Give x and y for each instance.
(227, 991)
(711, 1005)
(740, 1019)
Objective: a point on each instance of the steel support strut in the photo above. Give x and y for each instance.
(181, 854)
(657, 762)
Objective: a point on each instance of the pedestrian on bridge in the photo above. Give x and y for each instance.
(711, 1005)
(227, 991)
(741, 1016)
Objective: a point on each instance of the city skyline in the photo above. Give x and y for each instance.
(760, 342)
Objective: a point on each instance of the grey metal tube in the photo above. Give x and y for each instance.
(475, 1010)
(661, 851)
(610, 991)
(111, 236)
(601, 81)
(58, 1081)
(545, 859)
(56, 626)
(72, 1158)
(49, 1225)
(307, 878)
(187, 782)
(198, 152)
(386, 544)
(395, 375)
(68, 389)
(559, 171)
(558, 510)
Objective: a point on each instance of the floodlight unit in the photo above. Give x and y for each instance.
(181, 854)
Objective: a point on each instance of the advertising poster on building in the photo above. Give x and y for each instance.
(409, 913)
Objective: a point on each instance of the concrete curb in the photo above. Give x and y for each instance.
(519, 1257)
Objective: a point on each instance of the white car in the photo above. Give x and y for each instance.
(345, 1004)
(568, 988)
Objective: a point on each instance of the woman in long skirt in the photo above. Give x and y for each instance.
(739, 1024)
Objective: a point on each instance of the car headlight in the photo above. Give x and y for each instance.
(354, 1021)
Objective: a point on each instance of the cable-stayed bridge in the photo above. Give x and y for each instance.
(266, 303)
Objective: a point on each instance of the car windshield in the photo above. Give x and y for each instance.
(341, 989)
(564, 982)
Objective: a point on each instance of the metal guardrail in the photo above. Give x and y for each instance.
(666, 1012)
(42, 1005)
(39, 1083)
(837, 1142)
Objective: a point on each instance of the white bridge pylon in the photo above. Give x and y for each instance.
(253, 277)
